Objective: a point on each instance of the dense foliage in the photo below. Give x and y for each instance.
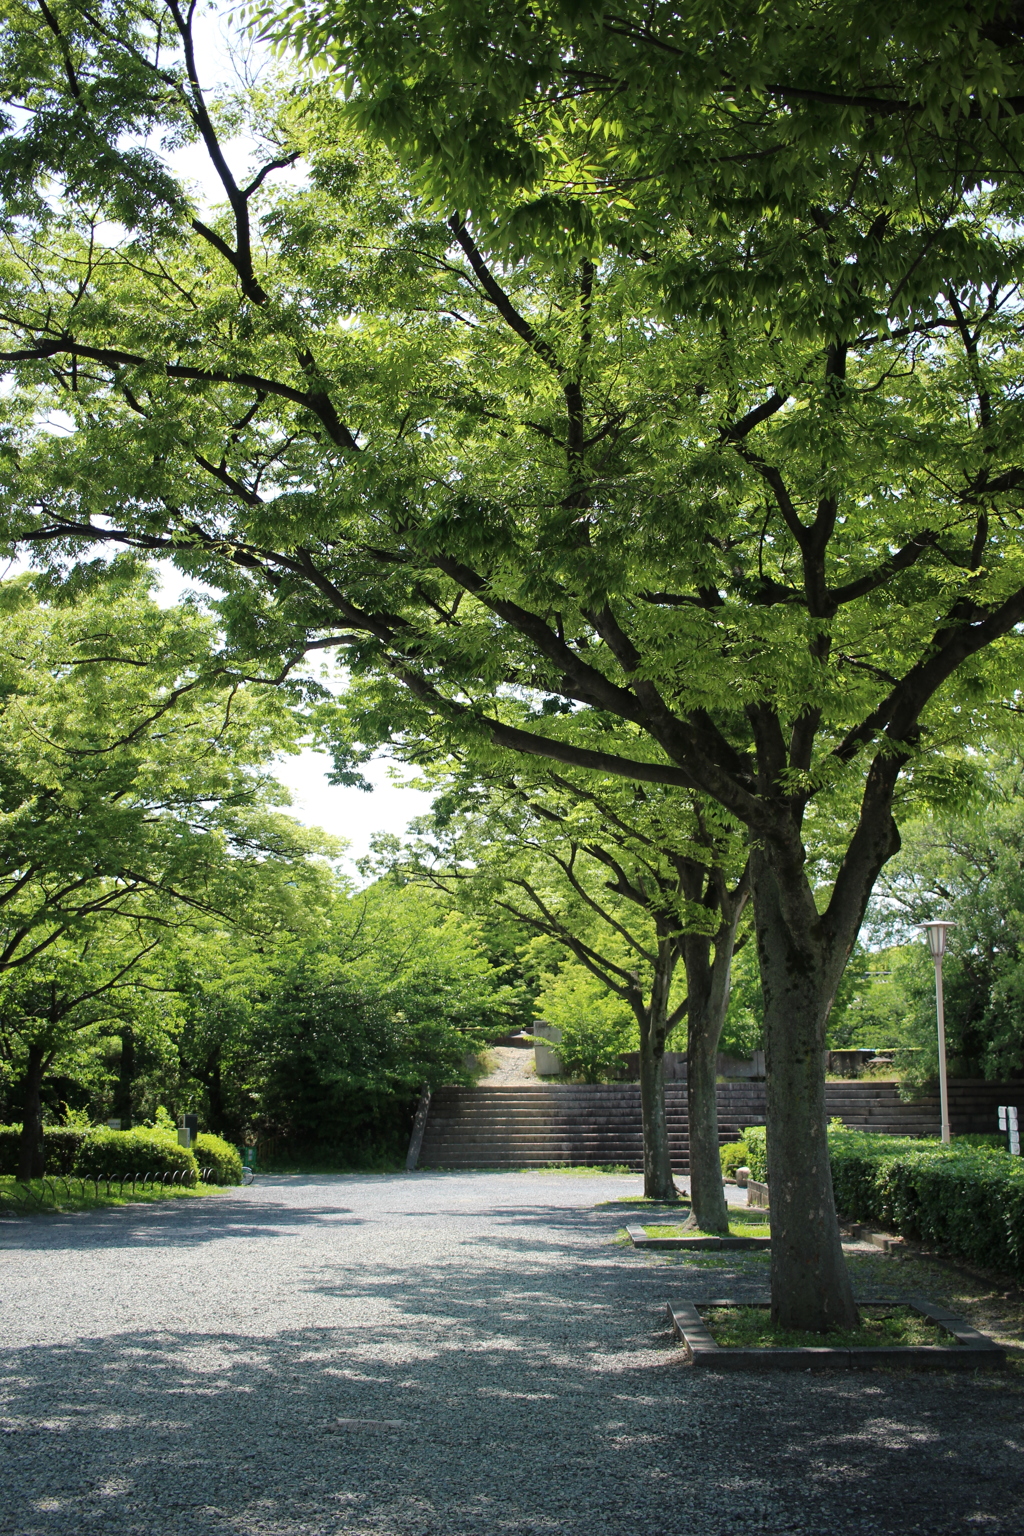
(597, 1027)
(136, 808)
(755, 1140)
(317, 1044)
(220, 1156)
(734, 1154)
(969, 869)
(62, 1147)
(967, 1201)
(137, 1151)
(689, 455)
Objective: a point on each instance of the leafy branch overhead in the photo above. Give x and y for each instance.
(636, 393)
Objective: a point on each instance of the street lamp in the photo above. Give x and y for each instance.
(936, 933)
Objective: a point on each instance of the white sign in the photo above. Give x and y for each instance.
(1008, 1122)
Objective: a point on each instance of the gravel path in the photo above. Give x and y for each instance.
(510, 1066)
(441, 1355)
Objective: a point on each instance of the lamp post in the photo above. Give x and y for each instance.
(936, 934)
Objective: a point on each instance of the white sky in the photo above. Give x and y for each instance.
(349, 813)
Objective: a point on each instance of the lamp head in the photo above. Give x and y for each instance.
(936, 935)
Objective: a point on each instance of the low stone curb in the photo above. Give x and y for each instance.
(973, 1351)
(640, 1239)
(883, 1240)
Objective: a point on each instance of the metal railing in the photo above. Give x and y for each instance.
(44, 1194)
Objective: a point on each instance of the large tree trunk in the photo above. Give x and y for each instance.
(659, 1183)
(708, 985)
(708, 1208)
(31, 1153)
(125, 1078)
(810, 1284)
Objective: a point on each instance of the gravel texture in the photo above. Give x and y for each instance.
(461, 1353)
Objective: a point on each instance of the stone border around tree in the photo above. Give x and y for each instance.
(638, 1235)
(973, 1351)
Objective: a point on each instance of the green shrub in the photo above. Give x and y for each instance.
(968, 1201)
(733, 1155)
(755, 1141)
(216, 1153)
(125, 1152)
(9, 1137)
(60, 1145)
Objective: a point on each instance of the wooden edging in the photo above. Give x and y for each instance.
(973, 1351)
(638, 1235)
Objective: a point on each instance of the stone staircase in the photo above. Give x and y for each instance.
(533, 1127)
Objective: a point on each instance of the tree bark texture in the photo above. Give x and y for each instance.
(708, 1208)
(31, 1153)
(708, 985)
(659, 1183)
(810, 1285)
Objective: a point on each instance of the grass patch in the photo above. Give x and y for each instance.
(47, 1196)
(634, 1200)
(751, 1328)
(989, 1301)
(739, 1226)
(590, 1171)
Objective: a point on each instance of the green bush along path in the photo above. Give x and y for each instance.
(966, 1200)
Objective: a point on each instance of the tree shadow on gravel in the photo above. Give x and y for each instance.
(411, 1429)
(177, 1224)
(192, 1222)
(516, 1380)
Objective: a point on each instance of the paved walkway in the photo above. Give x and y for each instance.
(440, 1355)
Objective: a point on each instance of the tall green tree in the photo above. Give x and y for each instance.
(635, 885)
(391, 995)
(78, 986)
(563, 122)
(136, 803)
(738, 497)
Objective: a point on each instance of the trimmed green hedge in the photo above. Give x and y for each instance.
(138, 1151)
(60, 1146)
(216, 1153)
(733, 1155)
(967, 1199)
